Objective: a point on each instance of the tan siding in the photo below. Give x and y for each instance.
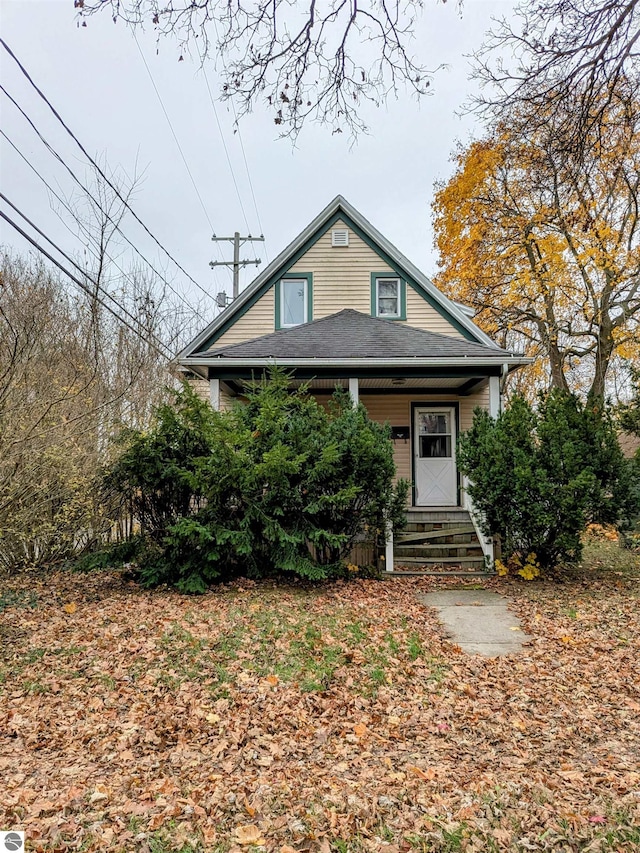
(341, 277)
(258, 320)
(226, 400)
(201, 387)
(421, 315)
(395, 409)
(468, 404)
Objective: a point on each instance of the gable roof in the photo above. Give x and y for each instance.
(339, 208)
(349, 334)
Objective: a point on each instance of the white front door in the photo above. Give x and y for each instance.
(434, 456)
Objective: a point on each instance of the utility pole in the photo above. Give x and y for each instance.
(236, 263)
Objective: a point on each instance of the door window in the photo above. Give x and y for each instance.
(434, 435)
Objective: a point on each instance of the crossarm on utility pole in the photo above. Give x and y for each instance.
(236, 263)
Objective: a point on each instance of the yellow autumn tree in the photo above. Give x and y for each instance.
(546, 247)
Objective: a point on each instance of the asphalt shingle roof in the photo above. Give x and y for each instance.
(351, 334)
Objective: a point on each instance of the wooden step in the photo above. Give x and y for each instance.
(444, 514)
(440, 560)
(413, 525)
(439, 574)
(446, 552)
(414, 536)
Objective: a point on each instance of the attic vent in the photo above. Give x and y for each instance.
(340, 237)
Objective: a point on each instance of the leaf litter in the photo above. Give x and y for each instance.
(276, 717)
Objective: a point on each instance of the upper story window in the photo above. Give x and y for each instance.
(388, 297)
(293, 301)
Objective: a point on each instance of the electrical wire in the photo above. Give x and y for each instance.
(173, 133)
(246, 167)
(244, 156)
(81, 285)
(77, 266)
(226, 151)
(73, 262)
(90, 235)
(95, 201)
(97, 166)
(176, 140)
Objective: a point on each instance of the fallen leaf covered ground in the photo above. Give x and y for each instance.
(275, 717)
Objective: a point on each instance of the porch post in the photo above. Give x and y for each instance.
(214, 394)
(494, 396)
(354, 387)
(388, 550)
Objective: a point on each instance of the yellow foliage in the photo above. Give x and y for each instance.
(602, 532)
(500, 568)
(529, 570)
(535, 244)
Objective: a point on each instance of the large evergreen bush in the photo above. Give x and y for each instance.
(539, 476)
(279, 484)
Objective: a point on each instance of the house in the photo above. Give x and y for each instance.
(342, 306)
(629, 443)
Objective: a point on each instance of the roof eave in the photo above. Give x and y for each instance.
(511, 361)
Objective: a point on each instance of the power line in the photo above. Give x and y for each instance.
(76, 265)
(174, 134)
(83, 272)
(90, 235)
(96, 165)
(175, 137)
(93, 199)
(246, 166)
(81, 284)
(226, 151)
(244, 156)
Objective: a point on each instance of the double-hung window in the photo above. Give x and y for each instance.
(293, 301)
(387, 297)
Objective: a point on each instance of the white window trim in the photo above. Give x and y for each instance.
(398, 296)
(305, 311)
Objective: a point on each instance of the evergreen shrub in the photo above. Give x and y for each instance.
(276, 484)
(539, 475)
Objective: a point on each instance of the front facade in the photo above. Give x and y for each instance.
(342, 306)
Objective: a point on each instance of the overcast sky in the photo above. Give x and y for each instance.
(96, 78)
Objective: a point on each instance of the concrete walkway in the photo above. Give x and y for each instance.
(479, 621)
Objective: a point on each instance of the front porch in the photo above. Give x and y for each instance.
(423, 384)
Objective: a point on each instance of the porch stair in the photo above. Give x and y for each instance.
(439, 542)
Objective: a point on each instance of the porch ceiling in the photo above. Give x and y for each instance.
(397, 383)
(460, 385)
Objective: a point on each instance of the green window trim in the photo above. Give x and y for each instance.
(340, 216)
(374, 295)
(308, 277)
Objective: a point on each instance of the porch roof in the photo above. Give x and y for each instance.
(351, 335)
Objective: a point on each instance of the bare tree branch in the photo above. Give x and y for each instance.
(556, 49)
(317, 61)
